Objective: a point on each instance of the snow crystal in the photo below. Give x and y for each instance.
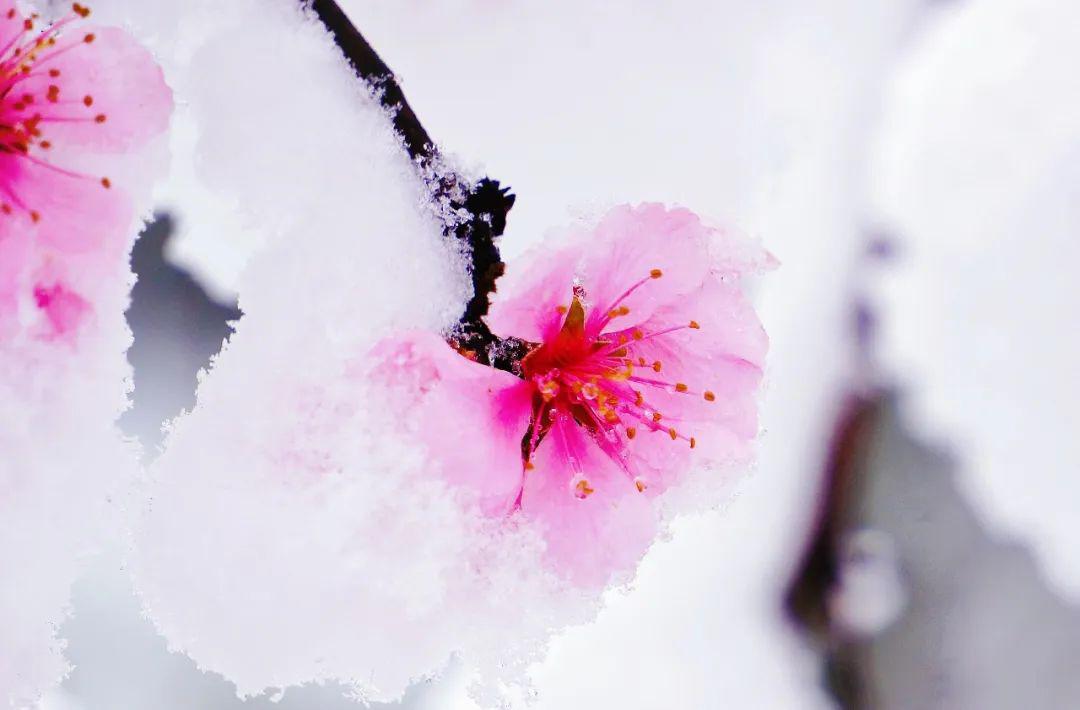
(979, 179)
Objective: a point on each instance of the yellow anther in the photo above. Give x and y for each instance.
(583, 489)
(529, 466)
(549, 389)
(680, 387)
(640, 485)
(695, 325)
(590, 390)
(631, 432)
(561, 310)
(709, 396)
(656, 416)
(638, 335)
(693, 442)
(656, 273)
(639, 399)
(673, 434)
(656, 366)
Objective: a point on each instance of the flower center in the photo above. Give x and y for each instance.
(32, 97)
(602, 381)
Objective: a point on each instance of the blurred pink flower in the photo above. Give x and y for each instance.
(77, 102)
(644, 355)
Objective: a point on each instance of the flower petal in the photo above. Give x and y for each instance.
(594, 520)
(470, 418)
(665, 248)
(15, 254)
(74, 214)
(64, 310)
(709, 378)
(11, 23)
(528, 297)
(113, 77)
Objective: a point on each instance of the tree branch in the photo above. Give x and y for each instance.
(486, 203)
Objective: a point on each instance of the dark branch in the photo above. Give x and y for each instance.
(486, 203)
(371, 68)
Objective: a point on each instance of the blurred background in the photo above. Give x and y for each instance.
(910, 536)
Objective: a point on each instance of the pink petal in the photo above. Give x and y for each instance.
(75, 214)
(470, 418)
(65, 311)
(10, 27)
(723, 357)
(593, 538)
(623, 249)
(124, 82)
(630, 244)
(525, 304)
(15, 255)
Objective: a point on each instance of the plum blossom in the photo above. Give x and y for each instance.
(643, 361)
(78, 104)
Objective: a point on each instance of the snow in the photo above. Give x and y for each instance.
(256, 555)
(59, 501)
(977, 176)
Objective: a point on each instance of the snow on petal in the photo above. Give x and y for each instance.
(299, 516)
(457, 406)
(65, 235)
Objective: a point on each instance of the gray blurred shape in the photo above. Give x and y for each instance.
(177, 328)
(980, 629)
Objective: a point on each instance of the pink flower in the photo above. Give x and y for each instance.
(77, 104)
(644, 362)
